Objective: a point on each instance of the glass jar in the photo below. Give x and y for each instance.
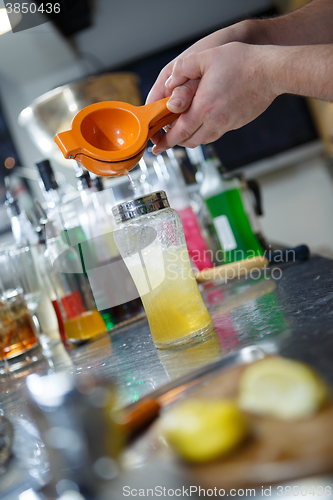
(150, 238)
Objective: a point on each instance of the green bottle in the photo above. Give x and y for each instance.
(222, 195)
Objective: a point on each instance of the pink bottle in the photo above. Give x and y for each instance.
(197, 247)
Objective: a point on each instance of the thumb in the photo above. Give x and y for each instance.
(182, 96)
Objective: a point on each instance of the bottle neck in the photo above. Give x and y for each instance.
(175, 183)
(213, 182)
(56, 247)
(23, 231)
(49, 185)
(84, 183)
(53, 199)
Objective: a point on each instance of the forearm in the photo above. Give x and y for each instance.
(309, 25)
(301, 70)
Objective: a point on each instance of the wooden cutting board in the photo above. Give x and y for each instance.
(276, 452)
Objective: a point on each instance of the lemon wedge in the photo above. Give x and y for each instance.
(202, 430)
(282, 388)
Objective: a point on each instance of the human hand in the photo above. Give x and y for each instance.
(238, 32)
(184, 94)
(217, 90)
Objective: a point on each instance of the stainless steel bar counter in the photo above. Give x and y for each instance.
(287, 310)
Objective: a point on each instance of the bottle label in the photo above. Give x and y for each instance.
(224, 233)
(73, 304)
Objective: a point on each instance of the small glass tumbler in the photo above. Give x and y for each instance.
(150, 238)
(19, 344)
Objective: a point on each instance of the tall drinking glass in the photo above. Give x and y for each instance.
(150, 238)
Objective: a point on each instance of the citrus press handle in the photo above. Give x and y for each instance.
(162, 116)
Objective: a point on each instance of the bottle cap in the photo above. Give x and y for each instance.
(142, 205)
(98, 183)
(40, 230)
(47, 175)
(84, 181)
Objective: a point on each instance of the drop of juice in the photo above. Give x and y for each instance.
(130, 179)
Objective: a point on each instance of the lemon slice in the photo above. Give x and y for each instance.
(202, 430)
(282, 388)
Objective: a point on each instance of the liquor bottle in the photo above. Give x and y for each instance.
(94, 212)
(75, 304)
(22, 229)
(26, 237)
(49, 315)
(46, 271)
(55, 195)
(84, 225)
(50, 188)
(71, 230)
(253, 208)
(222, 194)
(87, 180)
(54, 201)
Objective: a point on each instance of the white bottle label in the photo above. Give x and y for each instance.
(224, 232)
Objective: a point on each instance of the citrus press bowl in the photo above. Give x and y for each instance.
(54, 111)
(109, 138)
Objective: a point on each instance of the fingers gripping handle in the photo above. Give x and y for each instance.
(162, 116)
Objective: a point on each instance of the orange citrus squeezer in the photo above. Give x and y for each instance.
(110, 137)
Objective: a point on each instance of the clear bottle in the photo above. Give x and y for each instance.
(150, 238)
(87, 224)
(22, 229)
(222, 194)
(27, 243)
(49, 315)
(73, 232)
